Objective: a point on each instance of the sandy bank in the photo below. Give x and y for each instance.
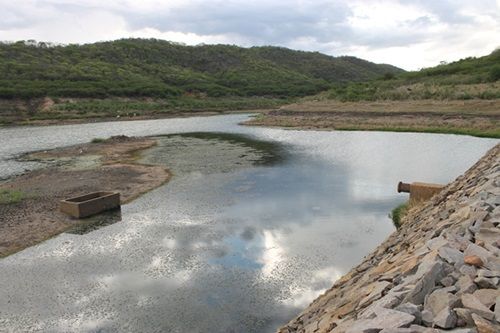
(107, 165)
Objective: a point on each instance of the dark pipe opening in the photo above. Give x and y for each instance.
(403, 187)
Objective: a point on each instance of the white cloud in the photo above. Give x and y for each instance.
(48, 23)
(382, 16)
(188, 38)
(409, 34)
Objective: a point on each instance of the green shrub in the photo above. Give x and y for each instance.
(388, 76)
(489, 94)
(97, 140)
(494, 74)
(398, 213)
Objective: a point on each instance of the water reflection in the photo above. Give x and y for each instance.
(201, 153)
(231, 244)
(95, 222)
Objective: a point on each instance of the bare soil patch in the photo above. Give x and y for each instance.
(36, 217)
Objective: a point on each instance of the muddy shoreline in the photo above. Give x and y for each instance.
(109, 165)
(477, 118)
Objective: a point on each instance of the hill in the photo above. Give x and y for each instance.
(469, 78)
(161, 69)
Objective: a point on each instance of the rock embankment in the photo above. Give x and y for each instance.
(440, 272)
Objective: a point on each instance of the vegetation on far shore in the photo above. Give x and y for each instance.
(185, 103)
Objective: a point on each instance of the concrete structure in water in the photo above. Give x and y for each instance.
(90, 204)
(420, 191)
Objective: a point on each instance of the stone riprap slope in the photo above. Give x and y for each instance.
(439, 272)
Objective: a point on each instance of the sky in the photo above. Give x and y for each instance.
(408, 34)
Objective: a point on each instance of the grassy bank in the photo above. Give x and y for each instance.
(495, 133)
(350, 125)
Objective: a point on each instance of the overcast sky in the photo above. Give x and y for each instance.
(408, 34)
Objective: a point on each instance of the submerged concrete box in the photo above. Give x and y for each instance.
(90, 204)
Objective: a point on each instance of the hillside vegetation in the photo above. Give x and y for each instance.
(161, 69)
(469, 78)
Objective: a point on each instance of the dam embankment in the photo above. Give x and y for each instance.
(439, 272)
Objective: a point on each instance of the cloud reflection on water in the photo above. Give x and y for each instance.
(241, 248)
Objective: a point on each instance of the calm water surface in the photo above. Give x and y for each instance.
(254, 225)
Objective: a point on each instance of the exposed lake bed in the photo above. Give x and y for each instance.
(66, 173)
(242, 237)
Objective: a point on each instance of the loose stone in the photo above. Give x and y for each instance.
(485, 326)
(471, 302)
(473, 260)
(466, 285)
(487, 296)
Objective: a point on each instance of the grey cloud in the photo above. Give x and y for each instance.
(446, 11)
(19, 15)
(422, 21)
(451, 11)
(320, 25)
(273, 22)
(12, 17)
(409, 32)
(378, 41)
(281, 23)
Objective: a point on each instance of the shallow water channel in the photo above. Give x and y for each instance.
(255, 224)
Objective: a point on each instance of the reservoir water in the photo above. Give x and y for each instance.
(255, 223)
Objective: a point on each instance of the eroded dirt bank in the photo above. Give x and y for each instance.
(109, 165)
(440, 272)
